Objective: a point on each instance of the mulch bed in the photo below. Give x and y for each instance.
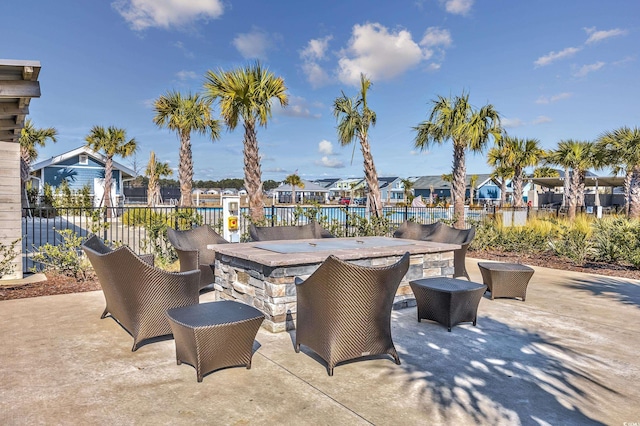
(60, 284)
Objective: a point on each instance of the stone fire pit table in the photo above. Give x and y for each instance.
(262, 274)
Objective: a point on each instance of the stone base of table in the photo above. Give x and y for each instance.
(214, 335)
(448, 301)
(506, 279)
(272, 289)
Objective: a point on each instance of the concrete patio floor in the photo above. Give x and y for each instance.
(568, 355)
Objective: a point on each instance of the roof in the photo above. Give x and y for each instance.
(590, 180)
(81, 150)
(326, 182)
(383, 182)
(18, 84)
(308, 187)
(425, 182)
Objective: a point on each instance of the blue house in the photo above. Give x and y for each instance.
(79, 167)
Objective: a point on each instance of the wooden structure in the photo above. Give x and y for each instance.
(18, 84)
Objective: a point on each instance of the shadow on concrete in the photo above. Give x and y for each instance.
(497, 374)
(623, 291)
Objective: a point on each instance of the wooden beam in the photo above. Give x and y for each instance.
(8, 136)
(27, 73)
(7, 124)
(19, 89)
(13, 109)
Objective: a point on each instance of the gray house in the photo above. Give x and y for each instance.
(485, 190)
(79, 167)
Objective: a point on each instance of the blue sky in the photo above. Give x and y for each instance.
(553, 69)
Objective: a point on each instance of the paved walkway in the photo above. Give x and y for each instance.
(568, 355)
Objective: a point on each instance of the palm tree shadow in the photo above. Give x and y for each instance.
(497, 374)
(625, 292)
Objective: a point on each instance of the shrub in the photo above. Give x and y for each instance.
(65, 257)
(7, 257)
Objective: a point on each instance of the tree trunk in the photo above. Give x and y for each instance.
(458, 185)
(565, 193)
(572, 197)
(627, 190)
(581, 188)
(503, 192)
(185, 169)
(371, 176)
(108, 181)
(517, 188)
(634, 194)
(293, 194)
(252, 174)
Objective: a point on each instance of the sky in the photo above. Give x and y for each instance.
(553, 69)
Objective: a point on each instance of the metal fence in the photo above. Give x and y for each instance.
(141, 227)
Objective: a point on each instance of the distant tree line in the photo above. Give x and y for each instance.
(205, 184)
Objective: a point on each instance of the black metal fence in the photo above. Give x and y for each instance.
(141, 227)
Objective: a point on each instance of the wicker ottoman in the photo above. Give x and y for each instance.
(506, 279)
(448, 301)
(214, 335)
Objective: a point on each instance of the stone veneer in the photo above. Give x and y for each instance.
(271, 288)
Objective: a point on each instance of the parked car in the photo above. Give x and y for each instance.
(360, 201)
(344, 201)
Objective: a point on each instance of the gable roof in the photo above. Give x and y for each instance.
(383, 182)
(308, 187)
(425, 182)
(82, 150)
(326, 182)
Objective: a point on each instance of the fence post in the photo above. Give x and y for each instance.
(346, 221)
(175, 217)
(104, 224)
(406, 212)
(273, 215)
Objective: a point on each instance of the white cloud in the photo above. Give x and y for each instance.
(325, 147)
(253, 45)
(298, 107)
(142, 14)
(274, 170)
(625, 60)
(185, 52)
(554, 98)
(554, 56)
(378, 53)
(596, 36)
(316, 75)
(541, 119)
(419, 152)
(332, 163)
(458, 7)
(586, 69)
(186, 75)
(316, 49)
(511, 122)
(436, 37)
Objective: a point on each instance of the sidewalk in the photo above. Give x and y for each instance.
(568, 355)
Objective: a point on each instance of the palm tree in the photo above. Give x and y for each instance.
(622, 151)
(112, 141)
(502, 171)
(294, 180)
(30, 139)
(155, 171)
(473, 181)
(578, 156)
(354, 118)
(246, 94)
(469, 129)
(545, 171)
(185, 115)
(407, 190)
(521, 153)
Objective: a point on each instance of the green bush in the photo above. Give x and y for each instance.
(7, 257)
(65, 257)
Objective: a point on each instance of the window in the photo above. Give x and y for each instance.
(84, 159)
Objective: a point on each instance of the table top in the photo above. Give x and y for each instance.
(447, 284)
(501, 266)
(213, 313)
(319, 249)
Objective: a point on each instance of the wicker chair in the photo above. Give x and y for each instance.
(272, 233)
(137, 294)
(344, 310)
(191, 247)
(440, 233)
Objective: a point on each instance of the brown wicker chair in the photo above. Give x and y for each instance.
(191, 247)
(440, 233)
(136, 293)
(311, 230)
(344, 310)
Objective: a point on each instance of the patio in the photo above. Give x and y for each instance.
(568, 355)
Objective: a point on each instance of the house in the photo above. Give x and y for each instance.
(310, 192)
(485, 188)
(348, 187)
(79, 167)
(393, 192)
